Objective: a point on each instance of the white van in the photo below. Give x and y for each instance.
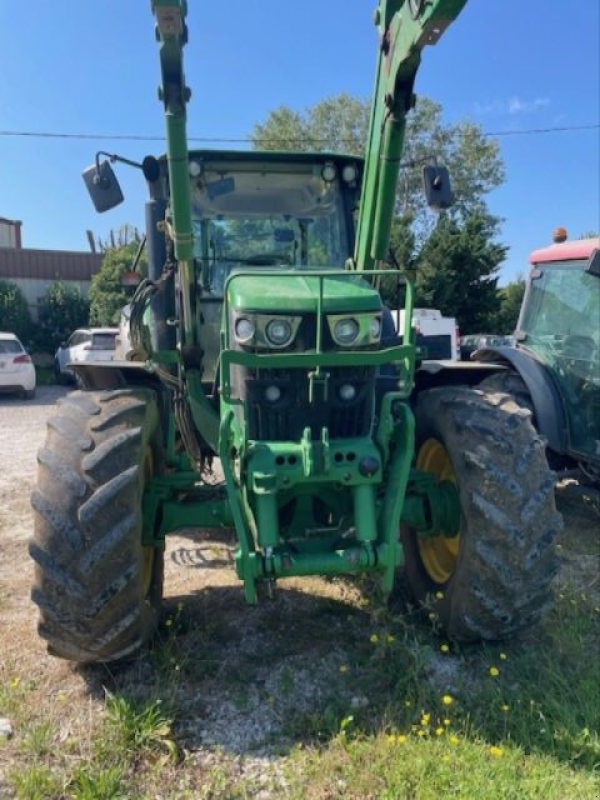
(440, 335)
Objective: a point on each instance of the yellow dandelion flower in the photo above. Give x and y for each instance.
(505, 707)
(447, 700)
(453, 739)
(374, 638)
(439, 731)
(421, 733)
(445, 648)
(425, 719)
(390, 737)
(389, 638)
(401, 739)
(407, 703)
(445, 758)
(168, 623)
(439, 595)
(447, 722)
(494, 672)
(343, 668)
(497, 752)
(503, 656)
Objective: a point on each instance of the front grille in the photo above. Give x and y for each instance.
(288, 417)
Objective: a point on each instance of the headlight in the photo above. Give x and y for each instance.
(375, 328)
(244, 329)
(345, 331)
(278, 332)
(350, 173)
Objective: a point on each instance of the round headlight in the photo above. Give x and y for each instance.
(349, 173)
(244, 329)
(329, 173)
(347, 392)
(272, 394)
(279, 332)
(375, 328)
(345, 331)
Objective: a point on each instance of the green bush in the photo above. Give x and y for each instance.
(61, 310)
(14, 311)
(107, 295)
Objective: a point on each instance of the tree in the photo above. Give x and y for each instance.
(15, 316)
(107, 295)
(457, 271)
(341, 124)
(511, 297)
(61, 310)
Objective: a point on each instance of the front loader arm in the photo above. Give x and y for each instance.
(171, 33)
(406, 27)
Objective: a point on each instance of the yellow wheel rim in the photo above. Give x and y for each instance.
(439, 554)
(147, 552)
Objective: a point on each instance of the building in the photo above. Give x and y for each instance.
(10, 232)
(34, 270)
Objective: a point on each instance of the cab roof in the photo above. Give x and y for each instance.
(576, 250)
(274, 155)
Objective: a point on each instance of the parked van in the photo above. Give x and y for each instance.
(440, 335)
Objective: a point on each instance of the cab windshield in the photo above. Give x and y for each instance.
(560, 324)
(267, 215)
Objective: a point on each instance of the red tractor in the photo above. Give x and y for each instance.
(554, 369)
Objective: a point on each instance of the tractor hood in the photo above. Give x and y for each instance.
(292, 292)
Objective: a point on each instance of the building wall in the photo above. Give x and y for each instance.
(34, 270)
(10, 233)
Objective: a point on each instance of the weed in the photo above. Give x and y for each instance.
(140, 731)
(93, 783)
(36, 782)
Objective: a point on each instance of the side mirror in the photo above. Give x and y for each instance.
(593, 265)
(437, 188)
(103, 186)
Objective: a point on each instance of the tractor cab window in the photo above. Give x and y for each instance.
(267, 215)
(560, 324)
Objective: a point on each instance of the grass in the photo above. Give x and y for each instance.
(361, 702)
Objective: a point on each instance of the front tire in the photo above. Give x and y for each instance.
(97, 588)
(494, 580)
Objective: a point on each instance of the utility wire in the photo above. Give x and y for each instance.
(248, 140)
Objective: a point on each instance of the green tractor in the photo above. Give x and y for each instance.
(554, 370)
(260, 339)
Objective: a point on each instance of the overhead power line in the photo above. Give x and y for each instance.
(248, 140)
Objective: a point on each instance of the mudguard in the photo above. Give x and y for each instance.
(549, 412)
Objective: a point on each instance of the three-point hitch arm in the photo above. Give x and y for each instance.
(406, 27)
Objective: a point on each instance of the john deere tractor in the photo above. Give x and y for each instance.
(259, 338)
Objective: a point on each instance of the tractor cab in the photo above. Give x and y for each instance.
(258, 213)
(559, 325)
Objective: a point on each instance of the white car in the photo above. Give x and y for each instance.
(84, 345)
(17, 373)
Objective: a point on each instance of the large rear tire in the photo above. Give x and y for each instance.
(97, 588)
(494, 579)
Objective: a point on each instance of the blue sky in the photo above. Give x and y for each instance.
(92, 67)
